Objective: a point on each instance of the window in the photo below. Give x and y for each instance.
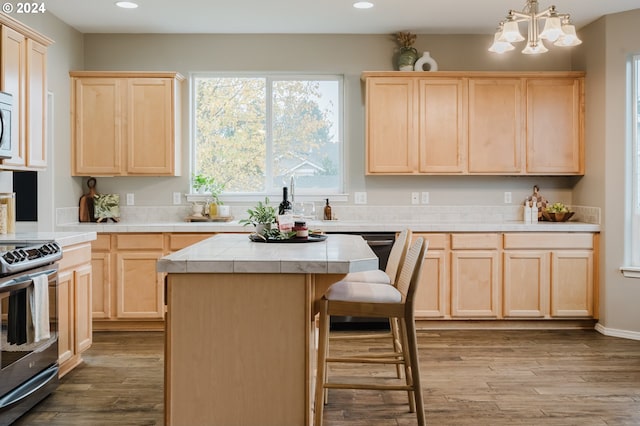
(635, 185)
(254, 132)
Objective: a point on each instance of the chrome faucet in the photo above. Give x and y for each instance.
(292, 190)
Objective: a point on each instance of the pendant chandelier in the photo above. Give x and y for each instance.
(557, 30)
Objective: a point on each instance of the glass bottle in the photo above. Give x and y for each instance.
(285, 206)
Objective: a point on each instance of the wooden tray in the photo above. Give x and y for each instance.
(208, 219)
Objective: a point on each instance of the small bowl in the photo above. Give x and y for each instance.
(557, 217)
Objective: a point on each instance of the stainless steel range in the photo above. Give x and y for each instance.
(29, 321)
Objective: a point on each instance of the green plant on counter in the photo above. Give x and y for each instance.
(207, 184)
(557, 208)
(261, 214)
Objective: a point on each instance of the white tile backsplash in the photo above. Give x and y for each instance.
(353, 213)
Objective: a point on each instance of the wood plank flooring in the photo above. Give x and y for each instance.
(479, 377)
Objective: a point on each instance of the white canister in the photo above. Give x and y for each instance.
(3, 218)
(425, 59)
(224, 211)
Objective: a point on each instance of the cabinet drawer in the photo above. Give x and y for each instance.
(101, 243)
(436, 241)
(475, 241)
(139, 241)
(180, 241)
(548, 240)
(75, 255)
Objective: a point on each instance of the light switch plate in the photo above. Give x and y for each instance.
(507, 197)
(425, 198)
(415, 198)
(177, 198)
(360, 198)
(130, 199)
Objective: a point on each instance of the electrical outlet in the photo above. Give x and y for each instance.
(425, 198)
(361, 198)
(130, 199)
(507, 197)
(415, 198)
(177, 198)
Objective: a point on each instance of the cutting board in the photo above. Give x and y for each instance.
(85, 211)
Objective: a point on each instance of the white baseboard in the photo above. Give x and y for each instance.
(625, 334)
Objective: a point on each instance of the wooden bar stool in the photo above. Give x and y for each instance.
(362, 299)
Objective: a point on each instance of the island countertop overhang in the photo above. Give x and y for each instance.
(235, 253)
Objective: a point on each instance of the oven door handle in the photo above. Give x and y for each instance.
(16, 284)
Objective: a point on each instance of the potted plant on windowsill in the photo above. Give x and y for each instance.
(202, 182)
(261, 216)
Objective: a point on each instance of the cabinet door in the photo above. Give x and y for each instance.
(97, 108)
(83, 304)
(36, 104)
(526, 283)
(390, 130)
(432, 295)
(101, 285)
(140, 288)
(14, 62)
(442, 121)
(66, 342)
(554, 126)
(150, 132)
(495, 125)
(475, 279)
(572, 283)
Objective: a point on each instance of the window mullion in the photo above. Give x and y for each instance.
(269, 136)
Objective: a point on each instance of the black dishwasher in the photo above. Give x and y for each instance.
(381, 244)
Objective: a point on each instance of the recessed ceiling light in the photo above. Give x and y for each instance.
(127, 4)
(363, 5)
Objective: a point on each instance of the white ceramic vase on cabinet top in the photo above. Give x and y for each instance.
(425, 59)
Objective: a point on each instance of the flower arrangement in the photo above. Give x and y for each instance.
(406, 40)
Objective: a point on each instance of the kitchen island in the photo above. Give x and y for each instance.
(240, 334)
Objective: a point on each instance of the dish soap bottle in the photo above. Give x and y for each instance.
(327, 211)
(527, 211)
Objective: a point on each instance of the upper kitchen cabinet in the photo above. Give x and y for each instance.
(390, 131)
(555, 114)
(23, 63)
(496, 125)
(125, 124)
(474, 123)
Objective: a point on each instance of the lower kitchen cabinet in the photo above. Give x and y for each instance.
(475, 275)
(128, 293)
(74, 305)
(549, 275)
(432, 295)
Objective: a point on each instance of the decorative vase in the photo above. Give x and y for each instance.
(261, 227)
(426, 59)
(407, 58)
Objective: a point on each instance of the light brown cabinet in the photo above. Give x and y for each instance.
(496, 125)
(23, 58)
(484, 276)
(474, 123)
(432, 296)
(128, 293)
(555, 114)
(549, 275)
(74, 306)
(125, 123)
(475, 275)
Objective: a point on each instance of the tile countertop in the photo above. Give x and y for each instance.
(339, 226)
(338, 254)
(63, 238)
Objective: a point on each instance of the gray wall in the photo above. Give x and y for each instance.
(607, 46)
(343, 54)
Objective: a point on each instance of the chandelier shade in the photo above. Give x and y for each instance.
(557, 30)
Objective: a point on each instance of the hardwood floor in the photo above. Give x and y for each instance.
(479, 377)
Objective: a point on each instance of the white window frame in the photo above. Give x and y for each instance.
(275, 194)
(633, 237)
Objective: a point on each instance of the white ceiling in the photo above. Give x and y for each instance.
(312, 17)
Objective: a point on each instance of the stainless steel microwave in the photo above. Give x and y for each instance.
(6, 110)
